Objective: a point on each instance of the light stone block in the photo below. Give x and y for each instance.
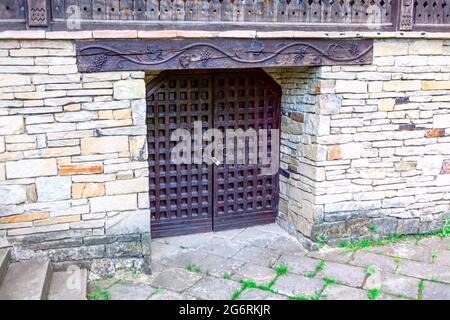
(31, 168)
(128, 223)
(11, 125)
(139, 112)
(129, 89)
(441, 121)
(430, 165)
(114, 203)
(317, 125)
(127, 186)
(101, 145)
(53, 188)
(13, 195)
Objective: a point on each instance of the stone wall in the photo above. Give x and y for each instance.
(73, 169)
(371, 158)
(365, 151)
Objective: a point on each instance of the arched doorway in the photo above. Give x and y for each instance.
(200, 197)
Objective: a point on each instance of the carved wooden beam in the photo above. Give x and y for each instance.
(406, 15)
(173, 54)
(38, 13)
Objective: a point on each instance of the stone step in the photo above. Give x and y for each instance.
(27, 280)
(67, 285)
(4, 262)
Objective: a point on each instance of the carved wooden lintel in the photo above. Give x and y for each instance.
(406, 15)
(173, 54)
(38, 13)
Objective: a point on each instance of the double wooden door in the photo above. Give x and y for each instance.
(200, 197)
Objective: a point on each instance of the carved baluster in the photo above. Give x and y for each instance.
(86, 9)
(282, 11)
(385, 10)
(203, 12)
(214, 10)
(126, 9)
(249, 11)
(166, 10)
(226, 11)
(304, 11)
(152, 10)
(346, 11)
(179, 10)
(419, 17)
(59, 10)
(238, 10)
(192, 8)
(139, 9)
(293, 11)
(446, 14)
(270, 11)
(113, 9)
(315, 11)
(99, 10)
(406, 15)
(438, 12)
(326, 15)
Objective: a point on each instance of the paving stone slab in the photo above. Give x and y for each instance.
(436, 291)
(218, 266)
(426, 271)
(256, 294)
(442, 257)
(250, 271)
(436, 243)
(298, 264)
(255, 237)
(285, 245)
(169, 295)
(408, 251)
(272, 227)
(191, 241)
(175, 279)
(210, 288)
(337, 292)
(183, 258)
(295, 285)
(348, 275)
(221, 247)
(331, 254)
(394, 284)
(364, 259)
(130, 291)
(264, 257)
(228, 234)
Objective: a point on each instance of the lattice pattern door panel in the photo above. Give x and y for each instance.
(191, 198)
(243, 196)
(180, 195)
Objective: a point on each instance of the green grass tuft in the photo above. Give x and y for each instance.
(281, 270)
(373, 294)
(99, 294)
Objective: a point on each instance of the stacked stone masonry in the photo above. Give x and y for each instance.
(361, 146)
(367, 148)
(73, 169)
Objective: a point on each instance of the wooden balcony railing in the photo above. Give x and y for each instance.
(266, 15)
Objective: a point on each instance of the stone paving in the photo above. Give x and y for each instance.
(264, 263)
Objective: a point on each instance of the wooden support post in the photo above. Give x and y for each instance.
(38, 13)
(406, 15)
